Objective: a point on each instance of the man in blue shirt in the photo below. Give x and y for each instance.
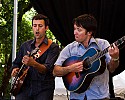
(80, 70)
(39, 83)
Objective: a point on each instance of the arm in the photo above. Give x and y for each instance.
(17, 62)
(29, 61)
(45, 64)
(61, 71)
(114, 62)
(14, 72)
(113, 65)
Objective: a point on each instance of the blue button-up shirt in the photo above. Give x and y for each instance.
(36, 81)
(99, 87)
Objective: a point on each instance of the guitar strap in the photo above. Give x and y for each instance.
(43, 48)
(96, 39)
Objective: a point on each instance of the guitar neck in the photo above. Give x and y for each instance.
(102, 53)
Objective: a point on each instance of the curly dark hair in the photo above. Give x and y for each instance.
(86, 21)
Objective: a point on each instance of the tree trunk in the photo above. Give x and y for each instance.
(5, 79)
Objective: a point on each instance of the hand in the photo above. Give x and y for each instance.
(14, 72)
(114, 51)
(76, 67)
(29, 61)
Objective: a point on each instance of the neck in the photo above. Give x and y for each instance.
(39, 41)
(86, 42)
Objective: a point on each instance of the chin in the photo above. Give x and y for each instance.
(76, 39)
(38, 37)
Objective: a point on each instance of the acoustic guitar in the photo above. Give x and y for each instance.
(94, 64)
(20, 76)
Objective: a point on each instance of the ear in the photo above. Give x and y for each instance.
(89, 33)
(47, 27)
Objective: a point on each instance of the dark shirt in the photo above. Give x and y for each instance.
(35, 82)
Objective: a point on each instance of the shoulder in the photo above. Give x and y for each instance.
(101, 41)
(54, 47)
(27, 43)
(72, 44)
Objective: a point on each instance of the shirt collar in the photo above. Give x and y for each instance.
(92, 40)
(45, 40)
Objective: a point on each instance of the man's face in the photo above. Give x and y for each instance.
(80, 34)
(39, 28)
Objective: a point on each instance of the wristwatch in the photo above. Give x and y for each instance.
(115, 59)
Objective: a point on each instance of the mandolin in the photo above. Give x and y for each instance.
(20, 76)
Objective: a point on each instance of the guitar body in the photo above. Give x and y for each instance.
(80, 82)
(16, 86)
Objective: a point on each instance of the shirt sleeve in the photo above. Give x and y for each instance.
(64, 54)
(105, 44)
(52, 56)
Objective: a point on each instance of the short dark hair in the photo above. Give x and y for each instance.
(41, 17)
(86, 21)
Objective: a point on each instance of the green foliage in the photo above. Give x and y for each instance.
(6, 27)
(6, 15)
(50, 35)
(24, 31)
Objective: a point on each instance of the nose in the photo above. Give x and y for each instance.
(37, 28)
(75, 32)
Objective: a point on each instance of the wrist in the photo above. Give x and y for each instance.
(115, 59)
(68, 69)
